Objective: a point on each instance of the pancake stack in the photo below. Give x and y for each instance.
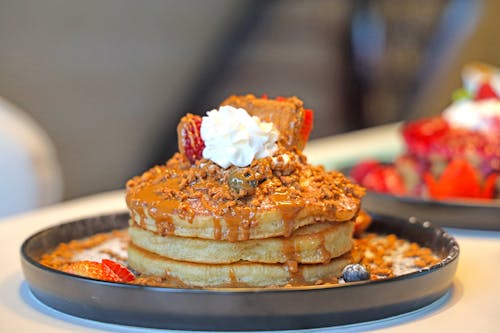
(278, 221)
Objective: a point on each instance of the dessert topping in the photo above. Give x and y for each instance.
(189, 138)
(459, 180)
(288, 115)
(485, 91)
(233, 137)
(120, 270)
(108, 270)
(379, 177)
(481, 115)
(355, 272)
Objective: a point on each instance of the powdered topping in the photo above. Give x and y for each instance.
(233, 137)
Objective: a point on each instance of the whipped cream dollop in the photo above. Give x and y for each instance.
(233, 137)
(483, 115)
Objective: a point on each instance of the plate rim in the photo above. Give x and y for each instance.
(454, 255)
(41, 281)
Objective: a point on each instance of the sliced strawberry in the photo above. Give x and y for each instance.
(92, 269)
(488, 191)
(393, 180)
(305, 130)
(189, 138)
(120, 270)
(360, 170)
(458, 180)
(485, 91)
(385, 179)
(421, 134)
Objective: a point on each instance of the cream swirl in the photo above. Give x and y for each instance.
(483, 115)
(233, 137)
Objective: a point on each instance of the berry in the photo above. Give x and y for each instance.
(120, 270)
(485, 91)
(107, 270)
(305, 130)
(459, 180)
(355, 272)
(420, 135)
(93, 270)
(385, 179)
(189, 138)
(360, 170)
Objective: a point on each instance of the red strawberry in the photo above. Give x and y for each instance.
(420, 135)
(485, 91)
(459, 180)
(360, 170)
(305, 130)
(189, 138)
(489, 185)
(92, 269)
(120, 270)
(384, 179)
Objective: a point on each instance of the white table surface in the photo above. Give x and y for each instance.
(471, 305)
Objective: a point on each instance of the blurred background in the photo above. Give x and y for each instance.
(103, 83)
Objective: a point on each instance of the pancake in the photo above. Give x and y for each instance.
(241, 274)
(196, 200)
(317, 243)
(239, 205)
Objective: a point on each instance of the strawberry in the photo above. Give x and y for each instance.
(384, 179)
(360, 170)
(107, 270)
(120, 270)
(420, 135)
(189, 138)
(93, 270)
(485, 91)
(306, 128)
(459, 180)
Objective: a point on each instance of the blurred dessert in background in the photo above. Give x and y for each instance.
(455, 155)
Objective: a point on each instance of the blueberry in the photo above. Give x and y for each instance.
(355, 272)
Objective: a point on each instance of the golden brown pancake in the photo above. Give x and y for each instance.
(196, 200)
(316, 243)
(237, 274)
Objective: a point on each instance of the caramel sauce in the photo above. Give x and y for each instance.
(188, 191)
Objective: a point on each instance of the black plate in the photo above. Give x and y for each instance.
(456, 214)
(237, 309)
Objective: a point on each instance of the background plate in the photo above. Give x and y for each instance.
(237, 309)
(458, 214)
